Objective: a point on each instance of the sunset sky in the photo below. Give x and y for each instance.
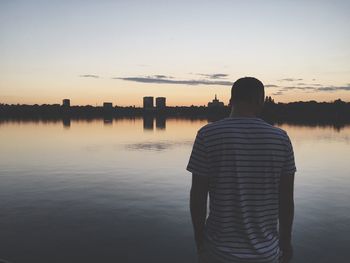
(188, 51)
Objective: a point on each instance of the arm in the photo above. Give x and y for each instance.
(286, 214)
(198, 206)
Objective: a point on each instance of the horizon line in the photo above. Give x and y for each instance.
(141, 106)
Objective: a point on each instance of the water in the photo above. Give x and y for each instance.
(101, 191)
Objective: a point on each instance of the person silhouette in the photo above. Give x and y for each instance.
(247, 167)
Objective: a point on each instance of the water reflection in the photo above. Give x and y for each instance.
(149, 146)
(107, 120)
(160, 122)
(104, 191)
(156, 146)
(66, 123)
(148, 123)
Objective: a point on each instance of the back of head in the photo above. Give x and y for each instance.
(248, 90)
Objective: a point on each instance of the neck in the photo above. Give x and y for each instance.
(241, 112)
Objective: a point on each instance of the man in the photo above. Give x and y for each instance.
(247, 167)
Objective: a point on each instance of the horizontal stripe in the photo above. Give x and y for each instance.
(252, 185)
(242, 217)
(244, 209)
(239, 251)
(253, 241)
(234, 167)
(257, 134)
(232, 201)
(249, 189)
(237, 226)
(236, 126)
(244, 159)
(249, 151)
(235, 159)
(228, 197)
(251, 255)
(247, 143)
(247, 246)
(245, 238)
(233, 138)
(248, 181)
(199, 161)
(214, 195)
(265, 220)
(216, 206)
(245, 146)
(232, 258)
(228, 232)
(271, 154)
(267, 248)
(234, 229)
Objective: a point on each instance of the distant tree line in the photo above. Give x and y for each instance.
(306, 112)
(337, 111)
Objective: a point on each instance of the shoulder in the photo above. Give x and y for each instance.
(279, 132)
(283, 137)
(227, 124)
(282, 133)
(212, 126)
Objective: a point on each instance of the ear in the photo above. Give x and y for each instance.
(261, 101)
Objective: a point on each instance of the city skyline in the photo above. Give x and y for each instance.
(160, 101)
(187, 51)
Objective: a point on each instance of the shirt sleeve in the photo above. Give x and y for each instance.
(198, 163)
(289, 167)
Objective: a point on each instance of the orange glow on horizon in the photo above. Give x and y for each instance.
(171, 101)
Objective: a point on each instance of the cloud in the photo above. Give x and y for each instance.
(89, 76)
(318, 88)
(278, 93)
(290, 79)
(310, 84)
(298, 87)
(214, 76)
(270, 86)
(161, 79)
(332, 88)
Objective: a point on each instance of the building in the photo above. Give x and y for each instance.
(160, 122)
(148, 122)
(66, 103)
(215, 104)
(107, 105)
(160, 103)
(148, 102)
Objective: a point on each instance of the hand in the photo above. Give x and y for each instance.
(287, 254)
(200, 246)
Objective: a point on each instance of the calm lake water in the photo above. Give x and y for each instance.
(103, 191)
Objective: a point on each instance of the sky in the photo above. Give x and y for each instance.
(187, 51)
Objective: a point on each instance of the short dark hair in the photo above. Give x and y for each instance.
(247, 89)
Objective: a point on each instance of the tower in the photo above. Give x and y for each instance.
(66, 103)
(160, 103)
(148, 102)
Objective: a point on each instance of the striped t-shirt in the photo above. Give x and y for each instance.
(244, 159)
